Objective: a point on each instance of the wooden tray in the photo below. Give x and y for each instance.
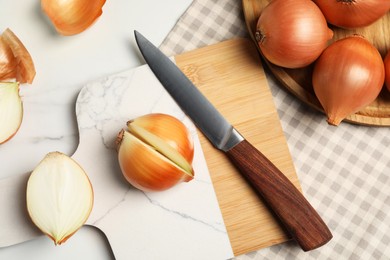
(298, 81)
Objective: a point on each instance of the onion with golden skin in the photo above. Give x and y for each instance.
(155, 152)
(71, 17)
(292, 33)
(347, 76)
(387, 70)
(353, 13)
(15, 61)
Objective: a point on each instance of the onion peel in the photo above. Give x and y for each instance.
(24, 69)
(71, 17)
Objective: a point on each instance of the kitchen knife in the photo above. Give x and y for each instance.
(295, 213)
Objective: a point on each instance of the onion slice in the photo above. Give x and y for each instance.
(59, 196)
(11, 110)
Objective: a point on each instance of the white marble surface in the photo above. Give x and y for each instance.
(64, 65)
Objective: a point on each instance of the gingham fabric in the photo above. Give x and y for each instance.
(344, 171)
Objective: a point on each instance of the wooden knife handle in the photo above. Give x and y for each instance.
(295, 213)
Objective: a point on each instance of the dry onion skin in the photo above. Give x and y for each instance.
(353, 13)
(387, 70)
(59, 196)
(347, 77)
(71, 17)
(292, 33)
(155, 152)
(15, 61)
(11, 110)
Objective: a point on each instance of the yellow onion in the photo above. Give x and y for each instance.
(387, 70)
(59, 196)
(15, 61)
(72, 16)
(292, 33)
(347, 77)
(353, 13)
(155, 152)
(11, 110)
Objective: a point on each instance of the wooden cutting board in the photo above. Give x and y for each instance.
(231, 76)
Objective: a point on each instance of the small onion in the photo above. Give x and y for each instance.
(155, 152)
(387, 70)
(292, 33)
(353, 13)
(347, 77)
(72, 16)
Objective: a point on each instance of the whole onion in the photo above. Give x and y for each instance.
(387, 70)
(353, 13)
(292, 33)
(348, 76)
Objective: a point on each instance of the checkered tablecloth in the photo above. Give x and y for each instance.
(344, 171)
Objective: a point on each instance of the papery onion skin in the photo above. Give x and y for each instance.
(7, 62)
(348, 76)
(292, 33)
(71, 17)
(162, 125)
(145, 168)
(353, 13)
(387, 70)
(24, 69)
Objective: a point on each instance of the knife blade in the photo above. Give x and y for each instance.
(295, 213)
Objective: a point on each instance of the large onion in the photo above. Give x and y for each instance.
(387, 70)
(353, 13)
(347, 77)
(292, 33)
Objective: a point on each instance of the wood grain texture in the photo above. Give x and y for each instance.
(298, 81)
(230, 75)
(293, 210)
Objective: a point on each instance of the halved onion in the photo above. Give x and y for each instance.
(59, 196)
(11, 110)
(72, 16)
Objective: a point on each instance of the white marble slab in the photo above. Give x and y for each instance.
(184, 222)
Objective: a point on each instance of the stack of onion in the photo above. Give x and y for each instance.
(348, 76)
(292, 33)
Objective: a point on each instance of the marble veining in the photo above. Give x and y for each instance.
(186, 212)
